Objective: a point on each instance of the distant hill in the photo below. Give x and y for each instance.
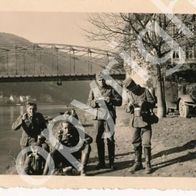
(42, 91)
(10, 40)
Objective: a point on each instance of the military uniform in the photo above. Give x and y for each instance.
(105, 103)
(31, 126)
(71, 139)
(35, 163)
(139, 102)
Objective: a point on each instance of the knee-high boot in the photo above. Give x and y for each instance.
(111, 152)
(147, 154)
(84, 159)
(101, 154)
(138, 159)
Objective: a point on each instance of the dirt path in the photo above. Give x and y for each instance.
(173, 149)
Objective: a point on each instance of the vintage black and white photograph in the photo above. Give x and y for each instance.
(97, 94)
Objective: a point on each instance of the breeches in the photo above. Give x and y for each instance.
(141, 136)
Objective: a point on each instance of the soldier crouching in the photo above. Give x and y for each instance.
(32, 123)
(68, 136)
(34, 162)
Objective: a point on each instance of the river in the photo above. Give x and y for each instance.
(9, 139)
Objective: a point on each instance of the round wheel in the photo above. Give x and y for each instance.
(183, 109)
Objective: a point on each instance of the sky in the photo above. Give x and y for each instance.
(48, 27)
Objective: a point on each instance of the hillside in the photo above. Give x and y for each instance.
(9, 40)
(42, 91)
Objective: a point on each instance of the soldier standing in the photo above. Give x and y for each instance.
(139, 102)
(104, 98)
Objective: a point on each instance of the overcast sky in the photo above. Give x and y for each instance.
(47, 27)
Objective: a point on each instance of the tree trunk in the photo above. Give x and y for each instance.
(161, 105)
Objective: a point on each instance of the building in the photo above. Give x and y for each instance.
(189, 48)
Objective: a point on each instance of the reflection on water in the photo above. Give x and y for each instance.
(9, 139)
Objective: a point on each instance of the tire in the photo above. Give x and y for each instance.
(183, 109)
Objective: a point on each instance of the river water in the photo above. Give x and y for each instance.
(9, 139)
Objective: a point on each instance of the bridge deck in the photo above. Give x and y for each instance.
(54, 77)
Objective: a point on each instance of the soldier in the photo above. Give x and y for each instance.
(104, 99)
(32, 123)
(35, 163)
(139, 102)
(68, 136)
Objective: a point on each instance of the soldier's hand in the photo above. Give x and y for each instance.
(107, 99)
(24, 116)
(93, 103)
(138, 104)
(130, 108)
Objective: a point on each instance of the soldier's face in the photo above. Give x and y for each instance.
(30, 110)
(101, 83)
(65, 127)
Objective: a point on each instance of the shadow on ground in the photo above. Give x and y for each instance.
(189, 145)
(118, 166)
(189, 156)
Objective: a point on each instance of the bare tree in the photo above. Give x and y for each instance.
(148, 35)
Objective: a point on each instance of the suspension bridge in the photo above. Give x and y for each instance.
(54, 62)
